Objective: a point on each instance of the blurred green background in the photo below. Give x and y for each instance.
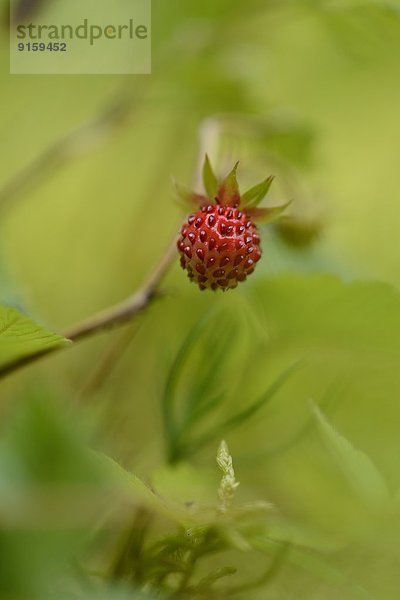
(307, 90)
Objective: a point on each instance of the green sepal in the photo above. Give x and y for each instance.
(267, 214)
(257, 193)
(187, 197)
(209, 179)
(229, 193)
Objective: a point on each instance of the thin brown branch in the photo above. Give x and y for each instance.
(124, 311)
(112, 317)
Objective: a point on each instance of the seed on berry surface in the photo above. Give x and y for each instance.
(223, 282)
(238, 259)
(200, 269)
(211, 243)
(219, 273)
(188, 252)
(199, 222)
(211, 261)
(211, 220)
(203, 235)
(192, 236)
(250, 249)
(249, 263)
(200, 253)
(233, 274)
(191, 219)
(224, 261)
(241, 229)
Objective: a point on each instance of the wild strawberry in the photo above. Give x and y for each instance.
(219, 244)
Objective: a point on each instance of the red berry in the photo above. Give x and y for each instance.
(219, 246)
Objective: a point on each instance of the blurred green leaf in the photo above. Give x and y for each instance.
(42, 446)
(228, 192)
(110, 593)
(168, 397)
(20, 337)
(189, 199)
(209, 179)
(244, 415)
(183, 409)
(268, 214)
(316, 565)
(256, 406)
(136, 491)
(50, 495)
(361, 473)
(114, 593)
(255, 194)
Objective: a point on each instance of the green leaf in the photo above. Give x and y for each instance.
(189, 199)
(209, 179)
(267, 214)
(201, 396)
(229, 192)
(21, 338)
(244, 415)
(222, 339)
(168, 397)
(134, 489)
(312, 563)
(112, 592)
(51, 496)
(361, 473)
(251, 410)
(254, 195)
